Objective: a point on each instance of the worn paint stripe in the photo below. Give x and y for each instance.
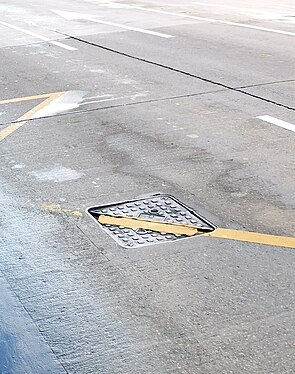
(56, 208)
(10, 129)
(23, 119)
(136, 223)
(40, 106)
(253, 237)
(62, 45)
(173, 228)
(25, 98)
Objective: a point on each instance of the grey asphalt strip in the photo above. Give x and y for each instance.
(115, 106)
(180, 71)
(154, 100)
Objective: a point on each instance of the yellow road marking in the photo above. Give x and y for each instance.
(253, 237)
(183, 229)
(23, 119)
(55, 208)
(136, 223)
(27, 98)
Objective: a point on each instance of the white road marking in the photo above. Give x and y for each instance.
(70, 100)
(77, 16)
(38, 36)
(193, 136)
(228, 7)
(213, 20)
(277, 122)
(100, 101)
(98, 96)
(286, 6)
(58, 44)
(254, 13)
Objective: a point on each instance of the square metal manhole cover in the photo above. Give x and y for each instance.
(147, 221)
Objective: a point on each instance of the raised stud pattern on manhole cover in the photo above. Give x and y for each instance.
(159, 208)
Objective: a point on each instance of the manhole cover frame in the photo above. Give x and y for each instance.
(96, 211)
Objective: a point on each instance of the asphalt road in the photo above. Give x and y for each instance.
(107, 101)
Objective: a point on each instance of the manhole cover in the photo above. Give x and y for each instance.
(147, 221)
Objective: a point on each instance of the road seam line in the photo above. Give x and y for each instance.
(120, 105)
(267, 83)
(180, 72)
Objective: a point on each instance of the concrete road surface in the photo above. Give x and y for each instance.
(109, 101)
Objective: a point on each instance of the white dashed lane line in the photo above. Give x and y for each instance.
(41, 37)
(278, 122)
(205, 19)
(72, 16)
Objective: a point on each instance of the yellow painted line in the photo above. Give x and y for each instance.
(23, 119)
(55, 208)
(253, 237)
(40, 106)
(28, 98)
(183, 229)
(136, 223)
(10, 129)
